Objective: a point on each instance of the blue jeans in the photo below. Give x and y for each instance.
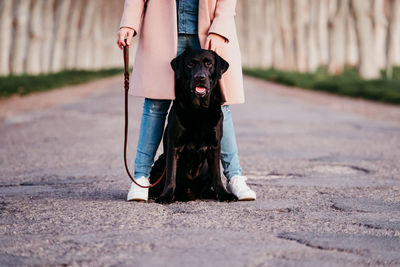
(152, 127)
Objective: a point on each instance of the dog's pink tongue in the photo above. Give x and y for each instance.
(200, 90)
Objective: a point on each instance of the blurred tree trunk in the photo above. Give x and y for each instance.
(277, 37)
(394, 37)
(110, 28)
(6, 33)
(351, 42)
(98, 40)
(337, 41)
(71, 43)
(300, 26)
(84, 58)
(251, 14)
(33, 65)
(323, 43)
(19, 43)
(380, 32)
(267, 42)
(48, 37)
(312, 36)
(117, 60)
(362, 11)
(60, 30)
(285, 10)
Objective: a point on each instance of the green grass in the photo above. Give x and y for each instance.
(348, 83)
(25, 84)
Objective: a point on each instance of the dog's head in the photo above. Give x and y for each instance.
(196, 76)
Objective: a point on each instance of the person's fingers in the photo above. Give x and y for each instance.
(125, 36)
(212, 45)
(208, 42)
(119, 41)
(129, 38)
(122, 35)
(118, 44)
(215, 44)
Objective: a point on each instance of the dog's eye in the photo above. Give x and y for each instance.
(208, 64)
(190, 65)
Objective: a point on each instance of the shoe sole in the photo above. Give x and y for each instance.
(247, 199)
(137, 200)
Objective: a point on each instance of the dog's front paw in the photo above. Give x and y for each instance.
(225, 196)
(166, 198)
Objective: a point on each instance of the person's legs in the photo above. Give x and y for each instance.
(185, 41)
(151, 130)
(230, 160)
(193, 41)
(229, 151)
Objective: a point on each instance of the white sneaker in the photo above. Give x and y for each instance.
(237, 186)
(137, 193)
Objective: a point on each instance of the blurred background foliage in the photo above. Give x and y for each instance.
(347, 83)
(26, 83)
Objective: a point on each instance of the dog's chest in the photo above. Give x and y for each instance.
(195, 132)
(198, 139)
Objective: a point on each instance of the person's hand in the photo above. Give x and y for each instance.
(215, 42)
(125, 33)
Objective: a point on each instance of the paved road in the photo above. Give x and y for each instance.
(327, 179)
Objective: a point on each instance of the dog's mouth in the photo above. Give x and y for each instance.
(200, 91)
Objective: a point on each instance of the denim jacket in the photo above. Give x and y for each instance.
(187, 15)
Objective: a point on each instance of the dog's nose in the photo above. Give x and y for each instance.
(200, 77)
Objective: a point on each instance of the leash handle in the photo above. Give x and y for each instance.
(126, 86)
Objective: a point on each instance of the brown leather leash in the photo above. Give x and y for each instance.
(126, 85)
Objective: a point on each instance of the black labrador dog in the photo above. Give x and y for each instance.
(192, 138)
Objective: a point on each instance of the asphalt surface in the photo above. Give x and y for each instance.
(327, 182)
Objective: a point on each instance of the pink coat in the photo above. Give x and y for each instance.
(153, 76)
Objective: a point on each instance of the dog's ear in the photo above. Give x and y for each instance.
(177, 65)
(221, 66)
